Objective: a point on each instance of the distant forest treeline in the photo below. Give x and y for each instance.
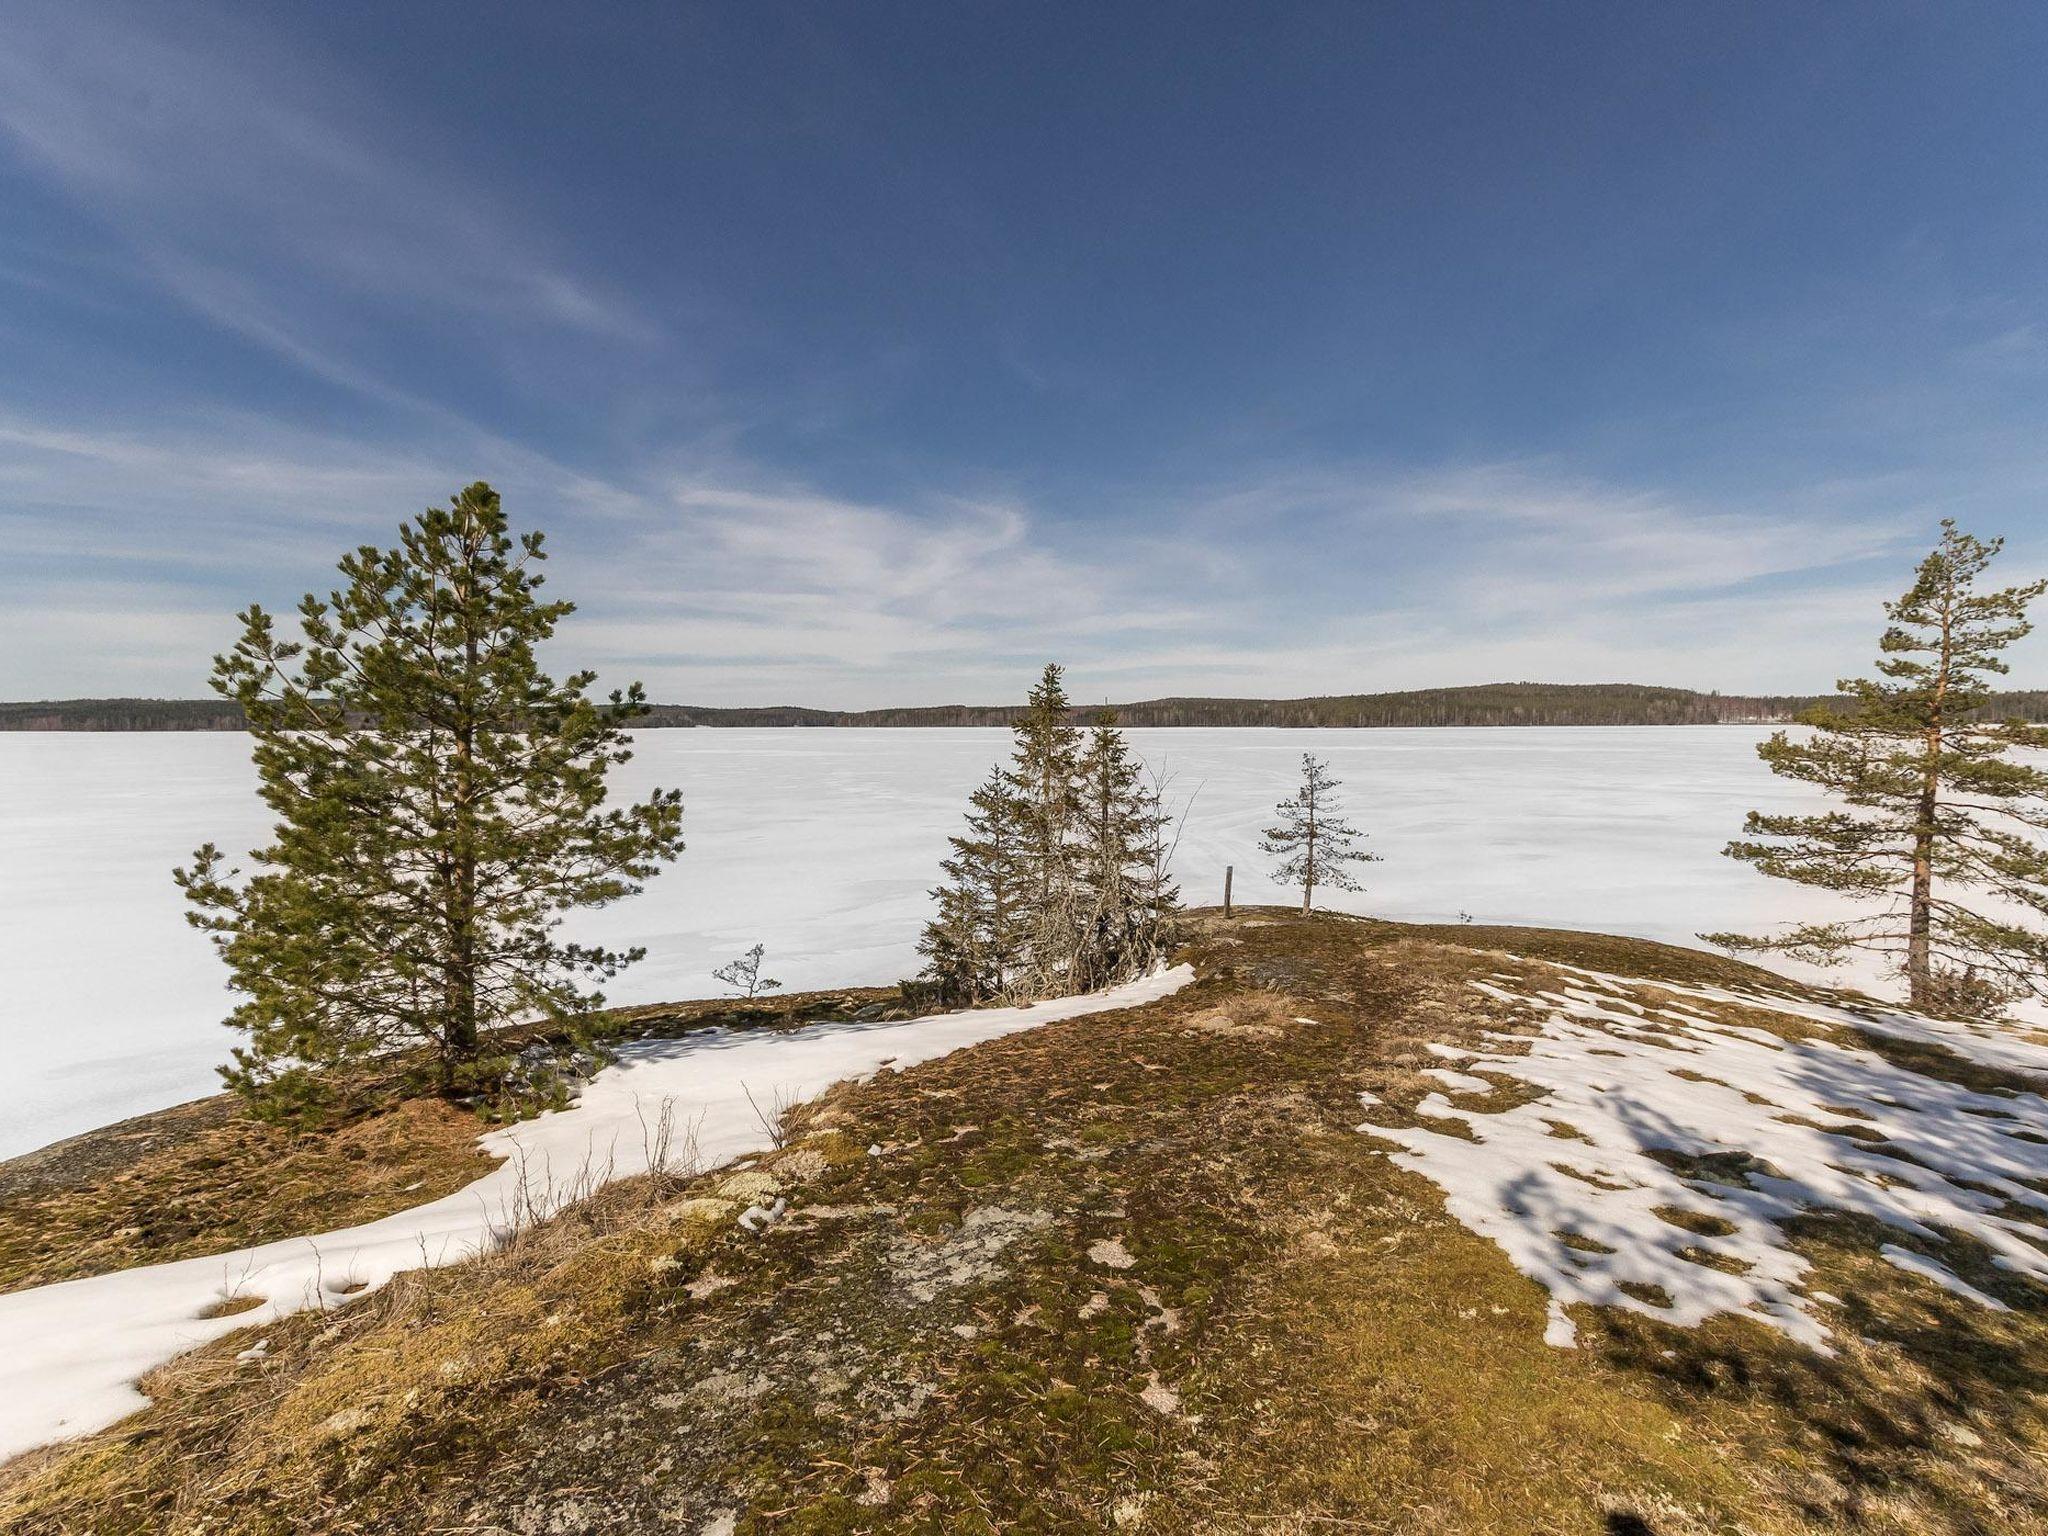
(1485, 704)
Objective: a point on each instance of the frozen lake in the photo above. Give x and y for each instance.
(822, 845)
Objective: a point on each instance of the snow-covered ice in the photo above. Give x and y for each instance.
(1571, 1188)
(822, 845)
(70, 1354)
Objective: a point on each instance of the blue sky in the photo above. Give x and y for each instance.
(874, 354)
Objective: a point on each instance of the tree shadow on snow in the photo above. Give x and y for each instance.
(1916, 1365)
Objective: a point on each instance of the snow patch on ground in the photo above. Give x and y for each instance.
(71, 1353)
(1757, 1129)
(1458, 1082)
(2010, 1048)
(1919, 1264)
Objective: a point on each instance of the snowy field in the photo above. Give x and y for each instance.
(822, 844)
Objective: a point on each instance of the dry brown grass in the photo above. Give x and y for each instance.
(234, 1184)
(1135, 1273)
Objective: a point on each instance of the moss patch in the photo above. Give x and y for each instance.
(1135, 1272)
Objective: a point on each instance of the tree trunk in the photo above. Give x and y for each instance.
(1308, 868)
(1920, 923)
(460, 1035)
(1920, 919)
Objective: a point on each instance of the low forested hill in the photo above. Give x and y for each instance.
(1487, 704)
(1484, 704)
(121, 715)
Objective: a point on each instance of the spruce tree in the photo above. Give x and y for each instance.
(975, 943)
(1313, 840)
(1060, 882)
(953, 945)
(439, 803)
(1120, 830)
(1933, 809)
(1043, 782)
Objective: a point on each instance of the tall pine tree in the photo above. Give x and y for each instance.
(1314, 842)
(1934, 810)
(439, 803)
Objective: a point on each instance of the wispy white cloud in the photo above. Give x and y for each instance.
(84, 465)
(721, 584)
(2015, 350)
(1485, 572)
(728, 586)
(1711, 643)
(223, 495)
(1622, 542)
(1513, 524)
(258, 189)
(708, 581)
(1459, 573)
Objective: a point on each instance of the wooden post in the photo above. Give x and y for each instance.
(1228, 871)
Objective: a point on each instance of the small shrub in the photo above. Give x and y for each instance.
(1964, 992)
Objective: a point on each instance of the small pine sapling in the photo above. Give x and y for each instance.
(744, 974)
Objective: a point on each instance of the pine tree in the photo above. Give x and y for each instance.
(744, 974)
(440, 804)
(1933, 805)
(1313, 840)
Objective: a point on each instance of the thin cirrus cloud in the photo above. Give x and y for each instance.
(706, 586)
(264, 195)
(156, 633)
(1527, 515)
(719, 590)
(1635, 542)
(897, 608)
(251, 188)
(732, 587)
